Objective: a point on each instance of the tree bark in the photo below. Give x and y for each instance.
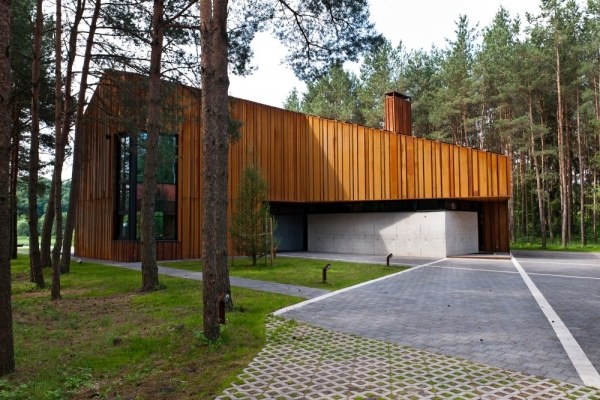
(7, 354)
(581, 177)
(36, 273)
(569, 172)
(46, 236)
(594, 205)
(597, 146)
(14, 177)
(65, 264)
(523, 195)
(511, 201)
(561, 156)
(538, 180)
(214, 116)
(59, 153)
(63, 123)
(148, 235)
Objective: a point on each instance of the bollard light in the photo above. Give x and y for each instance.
(325, 269)
(388, 259)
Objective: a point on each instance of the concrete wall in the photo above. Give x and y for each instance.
(425, 234)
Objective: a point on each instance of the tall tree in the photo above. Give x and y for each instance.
(562, 22)
(22, 43)
(65, 263)
(169, 31)
(214, 116)
(590, 98)
(456, 97)
(58, 147)
(381, 72)
(333, 96)
(318, 34)
(35, 262)
(422, 78)
(293, 101)
(148, 235)
(7, 358)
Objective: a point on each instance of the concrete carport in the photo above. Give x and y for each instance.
(538, 313)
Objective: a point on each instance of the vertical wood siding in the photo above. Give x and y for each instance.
(304, 158)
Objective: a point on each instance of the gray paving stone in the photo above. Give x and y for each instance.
(481, 316)
(577, 303)
(352, 367)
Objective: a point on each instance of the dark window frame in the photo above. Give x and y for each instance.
(132, 160)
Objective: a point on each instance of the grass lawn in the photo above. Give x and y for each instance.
(573, 246)
(106, 340)
(300, 271)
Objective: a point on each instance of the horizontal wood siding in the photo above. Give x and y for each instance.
(305, 159)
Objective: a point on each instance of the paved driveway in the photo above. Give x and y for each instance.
(481, 310)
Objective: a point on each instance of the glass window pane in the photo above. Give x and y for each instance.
(123, 187)
(165, 217)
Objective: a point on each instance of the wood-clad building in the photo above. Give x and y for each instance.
(321, 173)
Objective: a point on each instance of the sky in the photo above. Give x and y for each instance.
(418, 24)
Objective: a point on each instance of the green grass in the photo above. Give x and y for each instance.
(23, 240)
(573, 246)
(105, 339)
(300, 271)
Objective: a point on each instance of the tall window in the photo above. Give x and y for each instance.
(131, 156)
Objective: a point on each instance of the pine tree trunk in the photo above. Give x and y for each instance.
(538, 181)
(46, 236)
(148, 235)
(36, 274)
(561, 157)
(7, 355)
(581, 177)
(523, 195)
(66, 118)
(569, 178)
(511, 201)
(594, 205)
(546, 187)
(14, 177)
(65, 264)
(597, 143)
(215, 84)
(58, 152)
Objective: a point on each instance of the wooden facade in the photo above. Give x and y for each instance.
(305, 159)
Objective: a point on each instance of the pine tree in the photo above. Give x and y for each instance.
(456, 96)
(380, 73)
(250, 227)
(318, 34)
(7, 357)
(333, 96)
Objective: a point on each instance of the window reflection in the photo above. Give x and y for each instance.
(131, 155)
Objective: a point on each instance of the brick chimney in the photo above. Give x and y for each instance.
(397, 114)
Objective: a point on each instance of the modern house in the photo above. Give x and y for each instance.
(333, 186)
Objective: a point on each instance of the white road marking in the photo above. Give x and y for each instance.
(328, 295)
(565, 276)
(581, 362)
(513, 272)
(472, 269)
(573, 264)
